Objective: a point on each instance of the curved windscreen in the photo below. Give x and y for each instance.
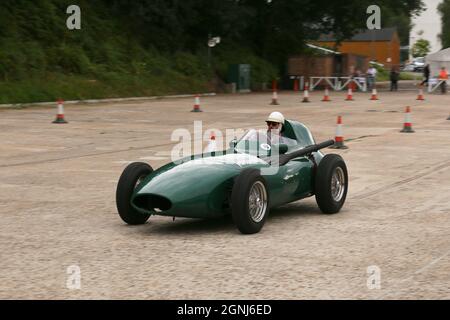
(260, 143)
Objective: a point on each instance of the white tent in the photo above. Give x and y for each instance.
(438, 60)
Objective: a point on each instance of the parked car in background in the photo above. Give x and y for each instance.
(408, 67)
(419, 64)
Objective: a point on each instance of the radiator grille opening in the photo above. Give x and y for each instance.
(152, 202)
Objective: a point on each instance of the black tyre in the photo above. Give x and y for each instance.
(128, 181)
(249, 201)
(331, 183)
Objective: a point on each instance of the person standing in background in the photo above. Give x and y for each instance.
(443, 76)
(371, 77)
(394, 75)
(426, 75)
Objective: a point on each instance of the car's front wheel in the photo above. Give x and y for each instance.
(129, 180)
(249, 201)
(331, 183)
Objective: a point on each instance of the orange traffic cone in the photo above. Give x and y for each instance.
(275, 94)
(60, 115)
(306, 94)
(274, 98)
(374, 95)
(326, 97)
(349, 95)
(407, 125)
(197, 104)
(339, 139)
(296, 85)
(420, 96)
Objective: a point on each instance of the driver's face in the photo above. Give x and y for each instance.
(272, 125)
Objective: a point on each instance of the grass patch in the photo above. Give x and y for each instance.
(112, 85)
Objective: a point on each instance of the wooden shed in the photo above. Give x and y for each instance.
(331, 65)
(381, 45)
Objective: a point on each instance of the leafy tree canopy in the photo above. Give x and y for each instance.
(444, 10)
(114, 32)
(421, 48)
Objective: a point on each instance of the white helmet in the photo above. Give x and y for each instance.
(276, 117)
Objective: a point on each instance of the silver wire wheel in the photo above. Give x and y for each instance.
(257, 201)
(338, 184)
(331, 183)
(250, 201)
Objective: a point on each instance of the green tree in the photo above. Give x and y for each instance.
(444, 10)
(421, 48)
(125, 35)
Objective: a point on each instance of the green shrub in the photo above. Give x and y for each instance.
(41, 60)
(262, 71)
(12, 61)
(69, 59)
(191, 65)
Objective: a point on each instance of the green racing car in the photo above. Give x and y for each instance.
(246, 181)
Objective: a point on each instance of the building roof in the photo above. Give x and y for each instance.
(326, 50)
(385, 34)
(440, 56)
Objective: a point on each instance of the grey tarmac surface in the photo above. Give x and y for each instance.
(57, 205)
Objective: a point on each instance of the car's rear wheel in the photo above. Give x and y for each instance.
(249, 201)
(129, 180)
(331, 183)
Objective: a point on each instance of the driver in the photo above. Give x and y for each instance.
(275, 123)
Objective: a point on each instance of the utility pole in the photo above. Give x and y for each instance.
(209, 50)
(373, 50)
(212, 42)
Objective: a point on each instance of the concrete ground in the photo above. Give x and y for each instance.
(57, 206)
